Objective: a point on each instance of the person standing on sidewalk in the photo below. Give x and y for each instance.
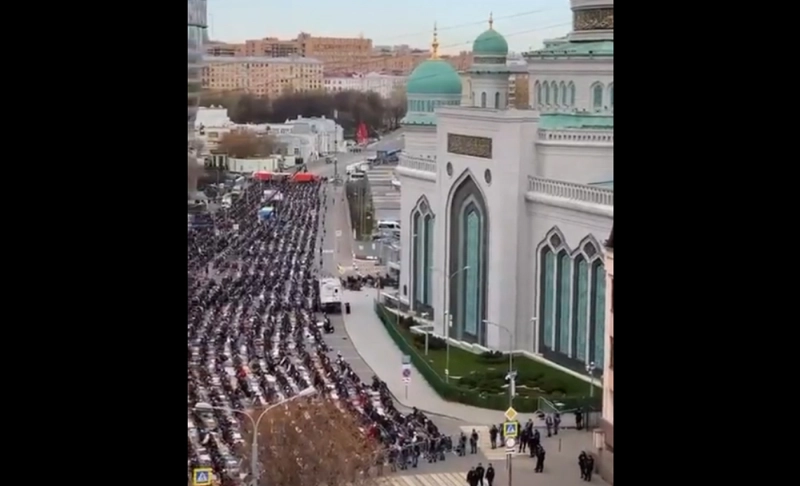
(490, 474)
(539, 460)
(493, 436)
(473, 442)
(479, 471)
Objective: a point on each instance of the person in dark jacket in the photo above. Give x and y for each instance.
(493, 436)
(539, 460)
(582, 464)
(490, 474)
(479, 471)
(472, 477)
(589, 467)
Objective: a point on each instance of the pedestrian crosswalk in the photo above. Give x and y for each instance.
(484, 442)
(434, 479)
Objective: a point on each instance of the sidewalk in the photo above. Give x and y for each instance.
(382, 355)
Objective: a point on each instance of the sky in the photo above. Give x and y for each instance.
(524, 23)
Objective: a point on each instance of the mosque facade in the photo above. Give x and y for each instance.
(505, 210)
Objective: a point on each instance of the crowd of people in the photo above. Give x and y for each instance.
(254, 337)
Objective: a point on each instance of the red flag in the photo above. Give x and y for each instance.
(361, 134)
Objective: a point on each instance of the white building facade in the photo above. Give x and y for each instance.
(307, 138)
(504, 210)
(382, 84)
(606, 431)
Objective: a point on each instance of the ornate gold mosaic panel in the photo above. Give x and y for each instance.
(594, 19)
(469, 145)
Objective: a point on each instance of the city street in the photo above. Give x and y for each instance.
(390, 141)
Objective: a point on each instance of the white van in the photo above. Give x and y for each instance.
(388, 226)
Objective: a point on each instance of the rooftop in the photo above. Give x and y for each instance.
(561, 121)
(605, 184)
(270, 60)
(603, 48)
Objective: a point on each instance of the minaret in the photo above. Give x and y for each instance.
(592, 20)
(489, 74)
(435, 43)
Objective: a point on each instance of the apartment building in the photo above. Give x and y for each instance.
(271, 47)
(223, 49)
(382, 84)
(337, 53)
(518, 89)
(262, 76)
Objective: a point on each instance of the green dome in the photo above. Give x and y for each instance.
(433, 77)
(490, 43)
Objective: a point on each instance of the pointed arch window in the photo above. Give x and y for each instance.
(497, 100)
(422, 224)
(563, 299)
(597, 96)
(428, 257)
(483, 99)
(546, 93)
(547, 302)
(580, 308)
(468, 245)
(611, 95)
(571, 93)
(562, 88)
(598, 315)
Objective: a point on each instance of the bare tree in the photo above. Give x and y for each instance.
(397, 107)
(242, 143)
(315, 444)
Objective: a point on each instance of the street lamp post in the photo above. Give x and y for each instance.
(448, 322)
(590, 367)
(254, 471)
(511, 374)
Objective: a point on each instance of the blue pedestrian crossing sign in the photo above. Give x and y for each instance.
(201, 476)
(510, 430)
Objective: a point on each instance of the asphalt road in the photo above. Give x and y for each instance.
(391, 141)
(334, 253)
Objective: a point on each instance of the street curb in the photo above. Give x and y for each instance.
(429, 412)
(391, 393)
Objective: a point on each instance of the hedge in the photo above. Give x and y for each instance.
(458, 394)
(447, 390)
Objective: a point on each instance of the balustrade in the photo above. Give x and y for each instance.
(571, 190)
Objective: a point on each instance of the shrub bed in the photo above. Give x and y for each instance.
(482, 379)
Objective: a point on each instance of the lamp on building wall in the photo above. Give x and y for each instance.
(590, 367)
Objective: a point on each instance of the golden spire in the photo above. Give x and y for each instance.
(435, 44)
(491, 21)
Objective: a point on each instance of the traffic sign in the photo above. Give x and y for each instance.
(406, 359)
(511, 414)
(510, 430)
(201, 476)
(406, 373)
(338, 233)
(510, 443)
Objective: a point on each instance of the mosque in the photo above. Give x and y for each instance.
(505, 210)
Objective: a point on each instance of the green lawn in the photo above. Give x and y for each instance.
(533, 379)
